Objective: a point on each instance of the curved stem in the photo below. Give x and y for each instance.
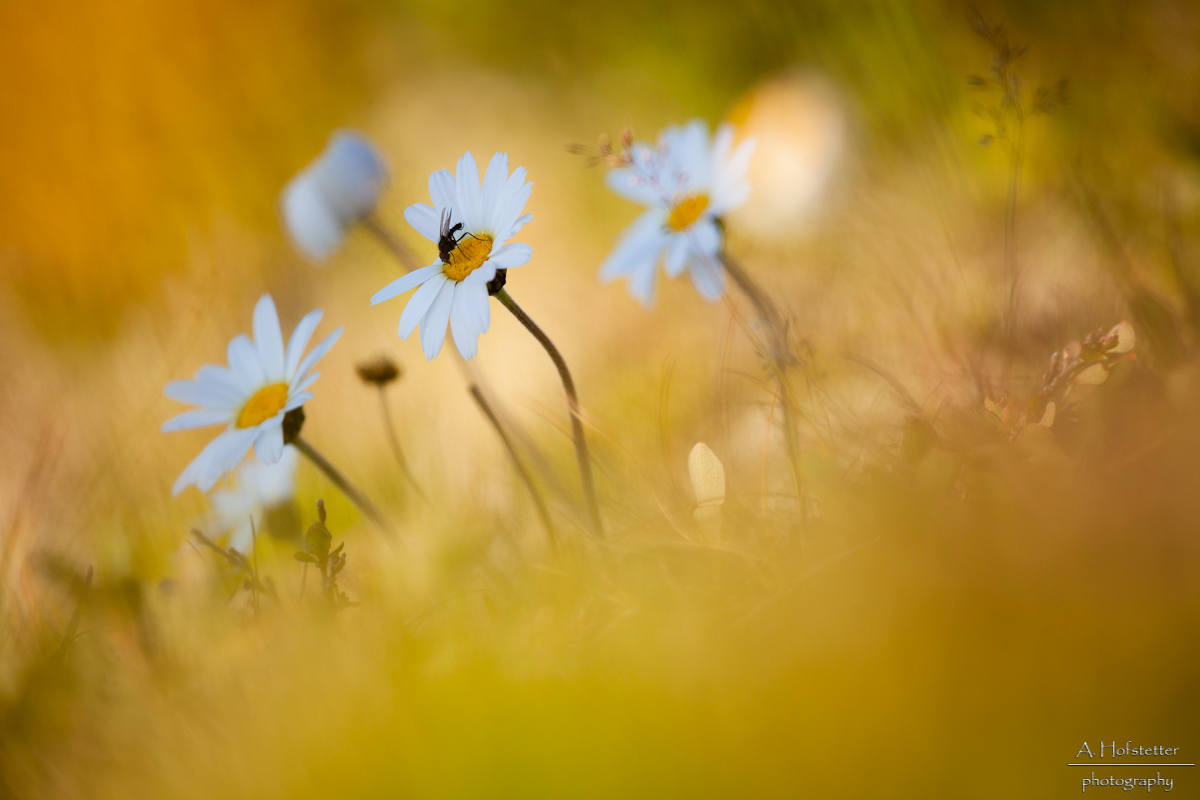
(358, 498)
(395, 443)
(581, 451)
(520, 467)
(779, 358)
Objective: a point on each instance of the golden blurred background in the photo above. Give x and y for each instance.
(950, 611)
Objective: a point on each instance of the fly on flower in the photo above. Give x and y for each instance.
(688, 182)
(471, 226)
(250, 397)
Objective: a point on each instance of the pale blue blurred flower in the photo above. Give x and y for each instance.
(339, 188)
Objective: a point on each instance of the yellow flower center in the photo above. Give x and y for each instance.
(266, 403)
(469, 256)
(687, 211)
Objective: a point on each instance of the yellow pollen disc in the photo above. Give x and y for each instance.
(469, 256)
(688, 211)
(266, 403)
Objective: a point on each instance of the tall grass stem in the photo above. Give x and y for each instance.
(339, 480)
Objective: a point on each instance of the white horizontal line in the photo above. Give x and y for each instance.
(1130, 765)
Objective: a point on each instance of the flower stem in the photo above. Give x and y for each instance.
(358, 498)
(581, 451)
(526, 478)
(779, 357)
(395, 442)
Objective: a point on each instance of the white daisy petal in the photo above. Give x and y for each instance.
(521, 222)
(708, 279)
(633, 187)
(308, 381)
(425, 219)
(722, 142)
(196, 473)
(231, 447)
(406, 282)
(268, 445)
(299, 341)
(244, 361)
(317, 353)
(433, 326)
(494, 182)
(641, 284)
(441, 189)
(295, 400)
(191, 473)
(419, 304)
(483, 275)
(706, 238)
(481, 305)
(512, 255)
(514, 182)
(196, 418)
(268, 338)
(464, 318)
(511, 209)
(204, 393)
(640, 243)
(677, 253)
(223, 379)
(729, 198)
(468, 193)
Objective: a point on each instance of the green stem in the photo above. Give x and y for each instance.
(779, 357)
(395, 442)
(581, 451)
(358, 498)
(516, 460)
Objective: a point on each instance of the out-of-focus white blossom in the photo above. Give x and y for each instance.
(331, 194)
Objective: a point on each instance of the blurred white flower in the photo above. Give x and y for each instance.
(262, 383)
(800, 126)
(257, 488)
(470, 225)
(332, 193)
(689, 183)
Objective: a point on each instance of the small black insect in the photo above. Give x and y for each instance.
(446, 241)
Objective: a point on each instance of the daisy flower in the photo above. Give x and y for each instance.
(258, 488)
(471, 226)
(262, 383)
(328, 196)
(689, 183)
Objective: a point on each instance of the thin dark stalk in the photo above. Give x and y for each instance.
(358, 498)
(526, 478)
(1010, 230)
(64, 650)
(395, 443)
(396, 247)
(581, 451)
(779, 358)
(254, 575)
